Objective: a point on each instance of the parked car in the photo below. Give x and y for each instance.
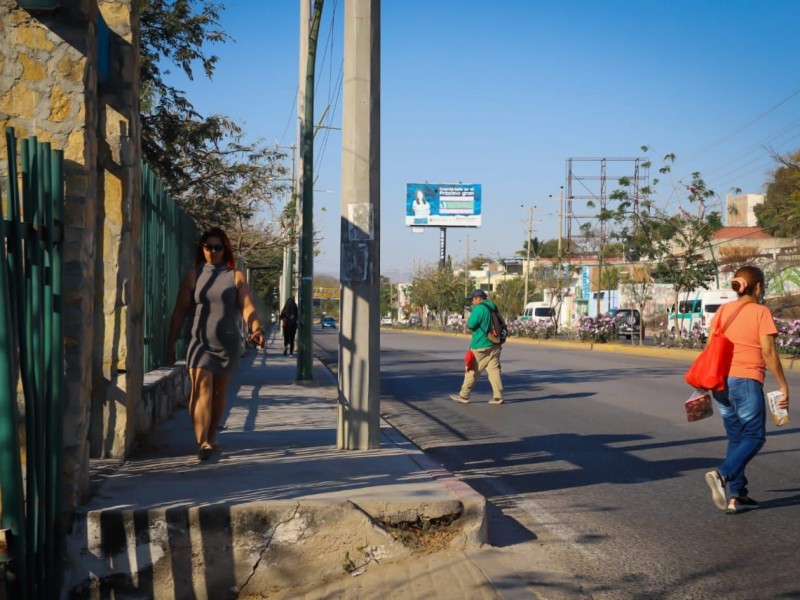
(328, 323)
(386, 320)
(628, 322)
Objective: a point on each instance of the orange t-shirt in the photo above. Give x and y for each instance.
(745, 331)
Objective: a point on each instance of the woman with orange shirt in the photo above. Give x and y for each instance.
(749, 325)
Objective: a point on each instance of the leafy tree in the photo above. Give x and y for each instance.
(675, 243)
(555, 279)
(780, 212)
(539, 248)
(210, 171)
(387, 296)
(439, 290)
(639, 285)
(476, 262)
(508, 296)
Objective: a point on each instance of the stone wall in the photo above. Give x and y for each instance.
(118, 324)
(49, 87)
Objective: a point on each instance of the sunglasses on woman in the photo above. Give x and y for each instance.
(213, 247)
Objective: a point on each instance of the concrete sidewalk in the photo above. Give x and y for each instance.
(279, 512)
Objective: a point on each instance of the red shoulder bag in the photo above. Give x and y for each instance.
(710, 370)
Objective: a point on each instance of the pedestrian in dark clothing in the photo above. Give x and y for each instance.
(289, 317)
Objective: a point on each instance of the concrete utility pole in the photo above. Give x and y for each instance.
(292, 255)
(359, 340)
(528, 253)
(466, 271)
(304, 355)
(288, 248)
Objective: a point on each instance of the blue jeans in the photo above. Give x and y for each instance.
(741, 405)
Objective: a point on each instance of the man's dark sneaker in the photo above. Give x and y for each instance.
(717, 485)
(459, 398)
(740, 505)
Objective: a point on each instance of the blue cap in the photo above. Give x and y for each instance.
(476, 294)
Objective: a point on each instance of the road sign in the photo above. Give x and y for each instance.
(326, 293)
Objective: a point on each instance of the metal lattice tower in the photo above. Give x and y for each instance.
(591, 184)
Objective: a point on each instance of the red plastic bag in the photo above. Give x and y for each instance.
(469, 360)
(710, 370)
(698, 406)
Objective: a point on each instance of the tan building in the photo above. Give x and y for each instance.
(739, 209)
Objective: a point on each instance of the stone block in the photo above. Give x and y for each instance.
(75, 147)
(113, 199)
(117, 16)
(20, 101)
(32, 70)
(34, 36)
(61, 105)
(70, 69)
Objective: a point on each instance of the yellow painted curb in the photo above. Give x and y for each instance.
(681, 354)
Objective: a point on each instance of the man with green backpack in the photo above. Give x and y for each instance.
(488, 334)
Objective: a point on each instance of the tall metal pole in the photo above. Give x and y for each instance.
(442, 246)
(560, 218)
(304, 355)
(359, 334)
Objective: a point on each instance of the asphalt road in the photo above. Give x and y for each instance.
(591, 469)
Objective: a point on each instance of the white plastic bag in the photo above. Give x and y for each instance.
(699, 405)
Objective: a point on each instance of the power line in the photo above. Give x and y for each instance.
(748, 124)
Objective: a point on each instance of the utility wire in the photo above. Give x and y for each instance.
(748, 124)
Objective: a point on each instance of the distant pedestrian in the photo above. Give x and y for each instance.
(217, 296)
(486, 353)
(289, 317)
(749, 325)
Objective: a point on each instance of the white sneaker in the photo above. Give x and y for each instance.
(496, 401)
(717, 485)
(459, 398)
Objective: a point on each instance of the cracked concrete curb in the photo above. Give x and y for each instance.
(474, 525)
(473, 522)
(220, 551)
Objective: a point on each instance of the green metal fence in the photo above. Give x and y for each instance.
(169, 237)
(31, 354)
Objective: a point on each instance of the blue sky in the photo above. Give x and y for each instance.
(502, 93)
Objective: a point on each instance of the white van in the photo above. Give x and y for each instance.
(538, 311)
(698, 308)
(710, 301)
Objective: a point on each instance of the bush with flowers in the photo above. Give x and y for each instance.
(537, 330)
(596, 329)
(788, 341)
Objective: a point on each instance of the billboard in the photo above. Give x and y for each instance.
(443, 204)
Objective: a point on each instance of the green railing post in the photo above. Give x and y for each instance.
(168, 238)
(31, 351)
(10, 461)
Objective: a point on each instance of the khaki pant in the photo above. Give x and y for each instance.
(486, 359)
